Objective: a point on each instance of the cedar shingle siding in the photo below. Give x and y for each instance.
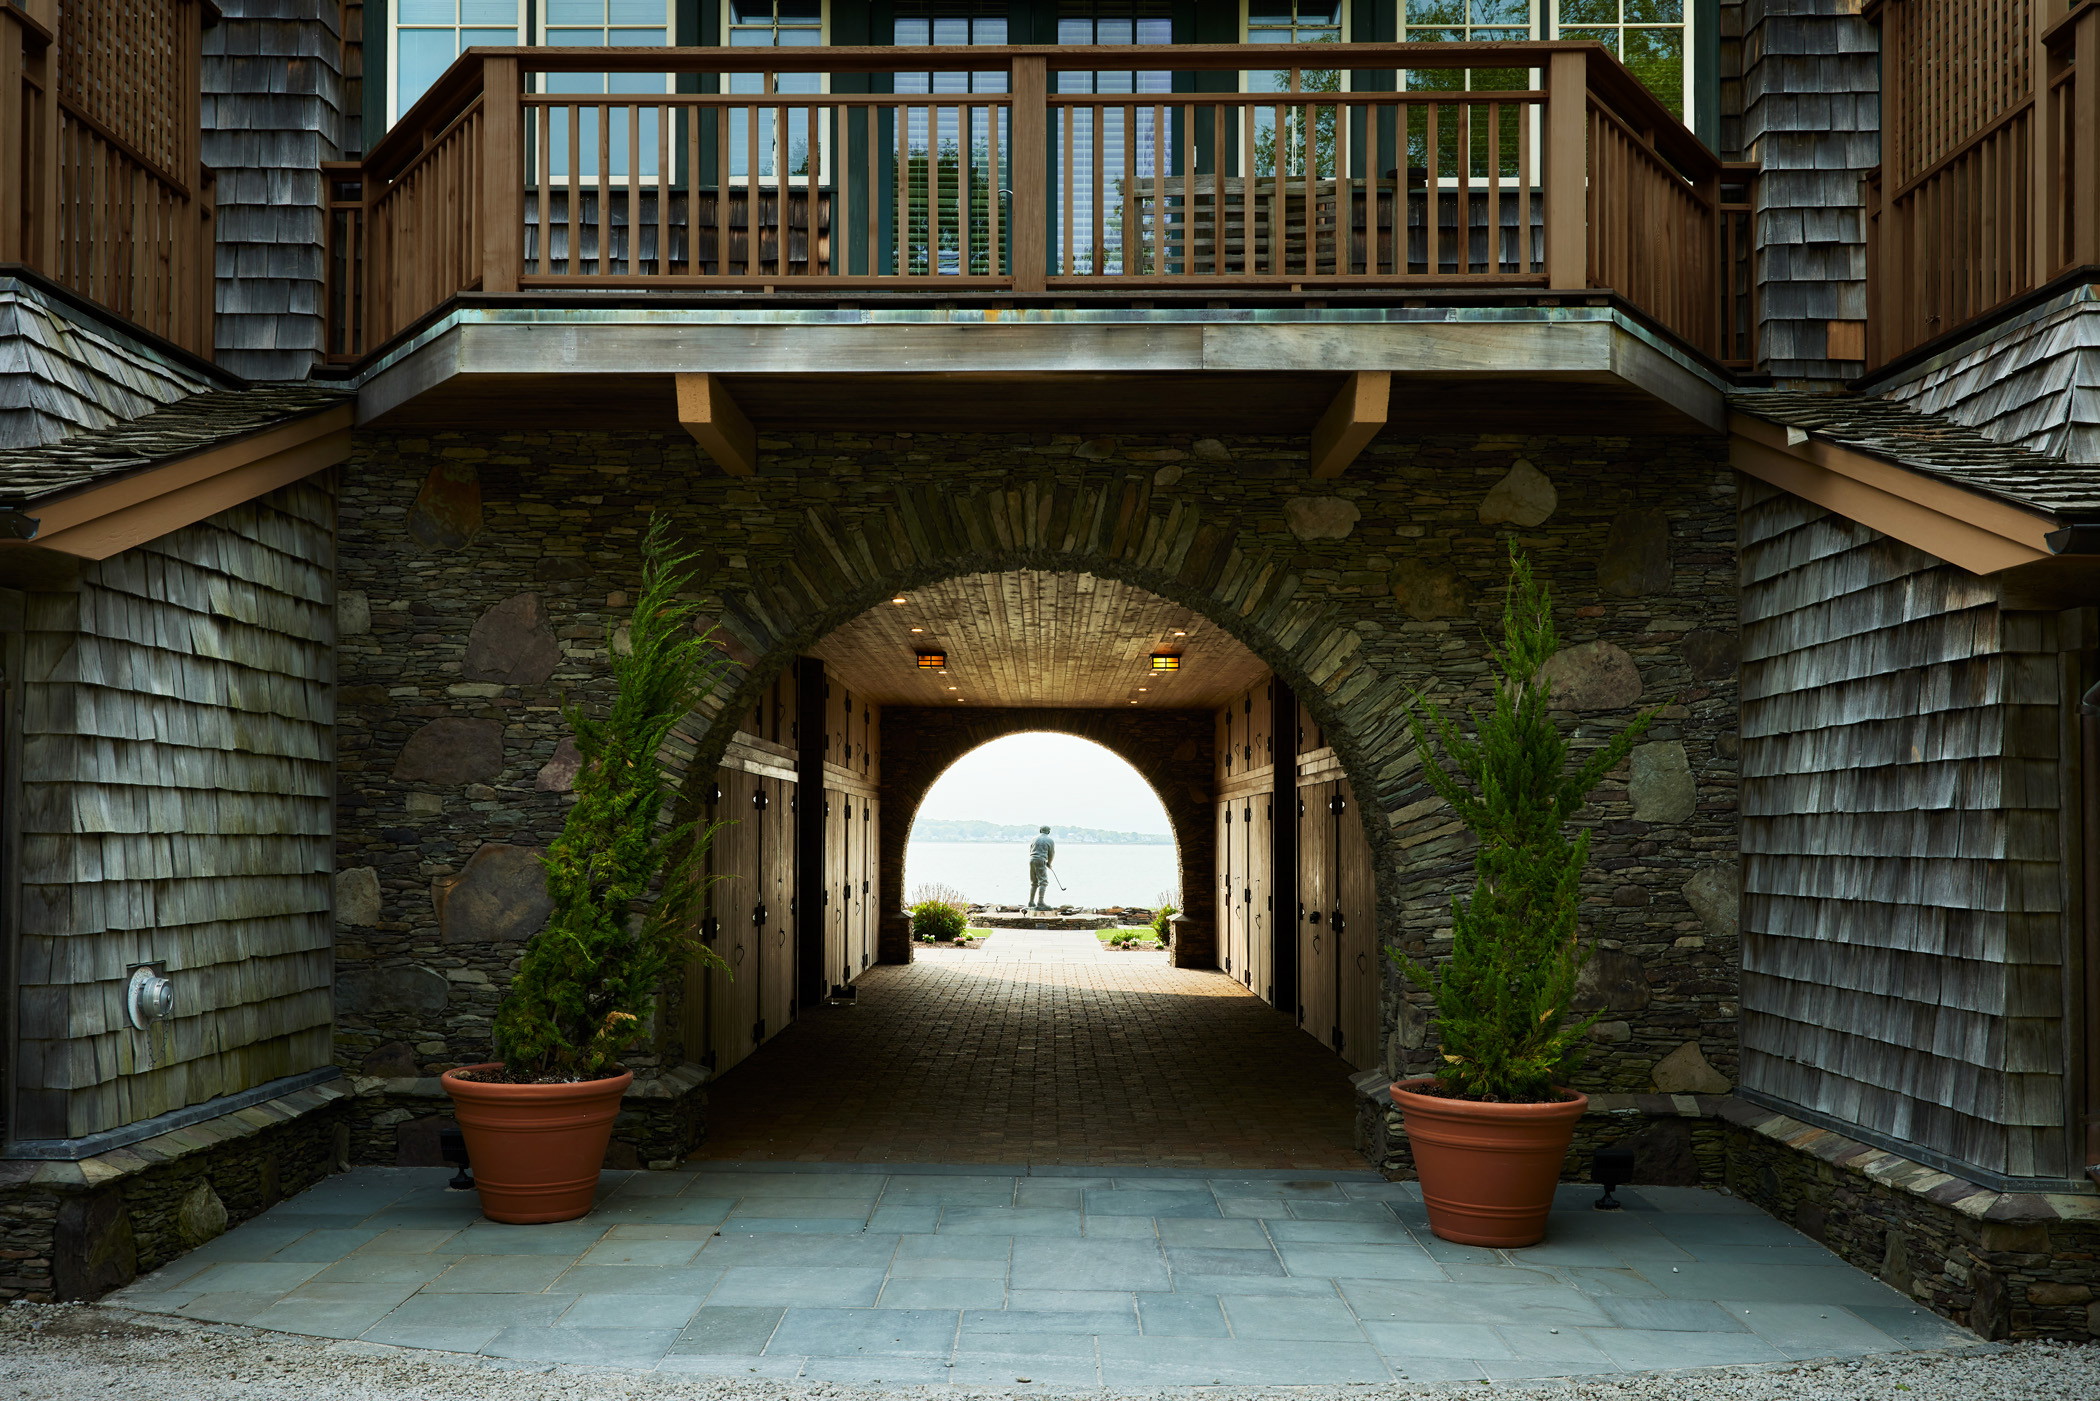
(273, 111)
(1903, 905)
(177, 773)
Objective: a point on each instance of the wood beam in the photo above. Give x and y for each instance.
(717, 424)
(1351, 421)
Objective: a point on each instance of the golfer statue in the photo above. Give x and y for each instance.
(1041, 852)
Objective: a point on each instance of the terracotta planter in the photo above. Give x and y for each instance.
(536, 1149)
(1487, 1170)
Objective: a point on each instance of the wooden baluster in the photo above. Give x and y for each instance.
(1432, 193)
(666, 177)
(1567, 171)
(572, 209)
(994, 241)
(501, 215)
(966, 161)
(1031, 172)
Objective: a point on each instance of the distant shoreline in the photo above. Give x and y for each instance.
(957, 831)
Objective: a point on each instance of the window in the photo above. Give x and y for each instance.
(1124, 143)
(1307, 133)
(775, 24)
(948, 148)
(429, 34)
(1647, 35)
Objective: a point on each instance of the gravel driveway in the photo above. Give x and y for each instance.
(72, 1352)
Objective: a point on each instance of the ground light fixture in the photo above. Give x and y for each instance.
(1611, 1168)
(1166, 661)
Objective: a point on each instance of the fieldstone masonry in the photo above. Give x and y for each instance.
(472, 551)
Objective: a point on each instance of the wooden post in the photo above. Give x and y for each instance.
(1567, 172)
(502, 177)
(1031, 172)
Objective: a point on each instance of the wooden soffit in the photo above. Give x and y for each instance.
(1981, 534)
(112, 516)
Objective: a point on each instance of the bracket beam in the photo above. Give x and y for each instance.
(1351, 421)
(710, 414)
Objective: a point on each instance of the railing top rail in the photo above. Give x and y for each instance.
(2059, 32)
(1607, 79)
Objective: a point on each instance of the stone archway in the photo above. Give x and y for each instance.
(1170, 749)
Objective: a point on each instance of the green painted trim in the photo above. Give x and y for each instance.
(1706, 72)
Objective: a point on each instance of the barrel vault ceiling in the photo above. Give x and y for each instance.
(1036, 638)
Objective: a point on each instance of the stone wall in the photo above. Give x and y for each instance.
(1171, 748)
(485, 576)
(2023, 1265)
(76, 1230)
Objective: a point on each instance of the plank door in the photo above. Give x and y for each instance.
(870, 894)
(774, 915)
(733, 994)
(1316, 951)
(1259, 892)
(1227, 893)
(1353, 922)
(837, 909)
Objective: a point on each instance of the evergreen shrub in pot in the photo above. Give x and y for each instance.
(626, 888)
(1490, 1129)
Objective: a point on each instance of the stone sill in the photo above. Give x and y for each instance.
(120, 1163)
(672, 1084)
(1894, 1171)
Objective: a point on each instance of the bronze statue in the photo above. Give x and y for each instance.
(1041, 852)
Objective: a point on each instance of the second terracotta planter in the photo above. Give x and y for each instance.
(536, 1149)
(1488, 1170)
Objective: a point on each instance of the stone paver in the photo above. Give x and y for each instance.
(1167, 1296)
(1040, 1047)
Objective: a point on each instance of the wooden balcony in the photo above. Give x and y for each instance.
(1543, 168)
(1989, 187)
(101, 188)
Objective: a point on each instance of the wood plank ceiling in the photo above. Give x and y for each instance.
(1030, 637)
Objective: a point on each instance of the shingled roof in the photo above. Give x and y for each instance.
(1935, 445)
(184, 428)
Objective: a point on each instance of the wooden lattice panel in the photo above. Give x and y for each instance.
(1038, 638)
(1957, 66)
(130, 67)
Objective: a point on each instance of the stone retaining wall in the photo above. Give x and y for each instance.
(76, 1230)
(2006, 1264)
(395, 1121)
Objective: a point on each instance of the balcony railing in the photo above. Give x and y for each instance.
(1540, 166)
(101, 188)
(1989, 187)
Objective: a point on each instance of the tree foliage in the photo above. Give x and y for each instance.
(586, 988)
(1502, 998)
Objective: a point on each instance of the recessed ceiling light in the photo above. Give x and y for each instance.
(900, 598)
(918, 629)
(1144, 688)
(1181, 632)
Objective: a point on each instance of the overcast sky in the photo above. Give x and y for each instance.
(1045, 778)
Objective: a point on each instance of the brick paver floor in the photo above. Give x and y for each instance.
(1040, 1048)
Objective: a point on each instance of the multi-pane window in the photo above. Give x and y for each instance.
(948, 147)
(429, 34)
(1289, 138)
(774, 24)
(1647, 35)
(1124, 143)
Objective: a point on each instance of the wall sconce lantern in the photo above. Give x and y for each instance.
(932, 661)
(1166, 661)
